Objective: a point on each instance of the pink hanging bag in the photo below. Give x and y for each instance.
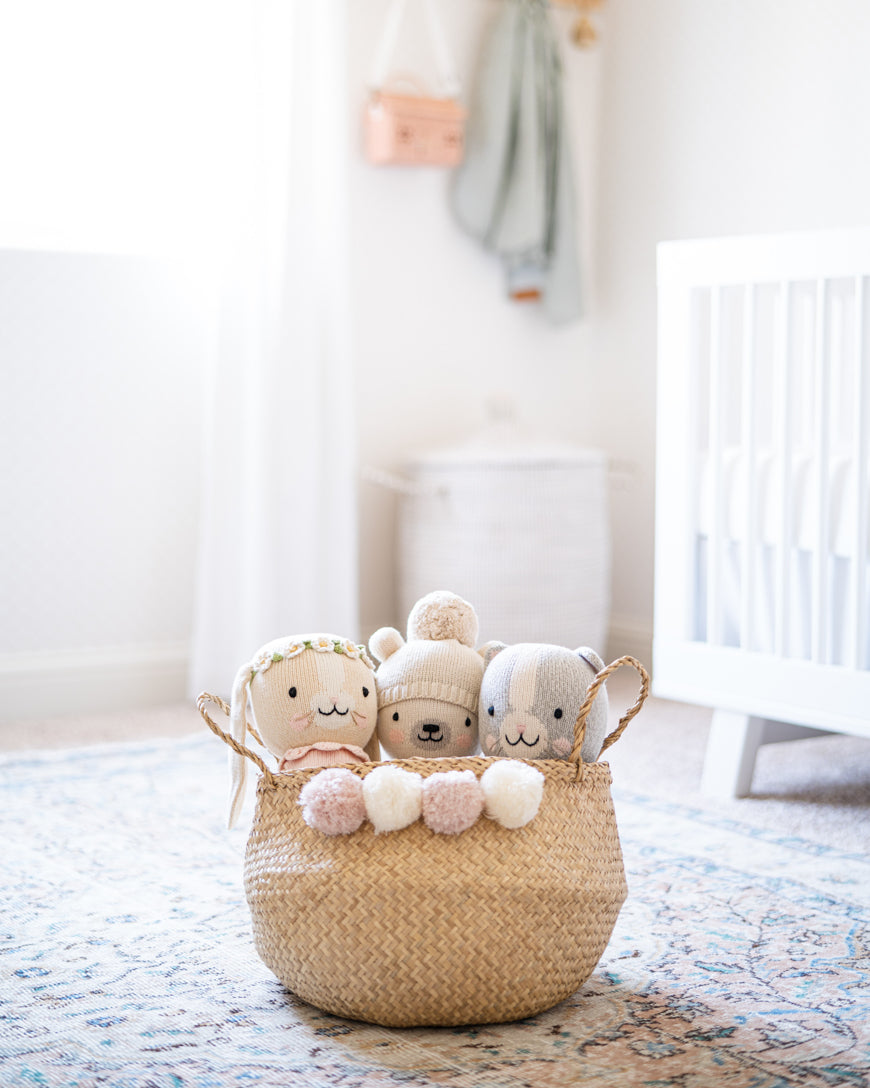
(403, 124)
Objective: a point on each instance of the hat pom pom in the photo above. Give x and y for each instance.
(442, 615)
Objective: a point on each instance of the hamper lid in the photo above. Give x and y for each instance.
(501, 447)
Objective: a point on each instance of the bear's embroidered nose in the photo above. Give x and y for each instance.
(431, 728)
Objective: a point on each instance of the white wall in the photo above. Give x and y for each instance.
(101, 345)
(718, 119)
(434, 336)
(715, 118)
(100, 446)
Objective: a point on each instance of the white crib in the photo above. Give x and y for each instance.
(762, 590)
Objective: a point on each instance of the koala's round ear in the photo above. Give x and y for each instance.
(590, 657)
(384, 642)
(489, 650)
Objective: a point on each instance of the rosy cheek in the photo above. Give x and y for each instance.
(464, 743)
(396, 736)
(299, 722)
(489, 743)
(562, 746)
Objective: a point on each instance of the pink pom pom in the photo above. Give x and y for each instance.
(332, 802)
(452, 801)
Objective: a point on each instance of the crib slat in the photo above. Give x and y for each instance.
(715, 408)
(749, 450)
(783, 459)
(860, 454)
(821, 447)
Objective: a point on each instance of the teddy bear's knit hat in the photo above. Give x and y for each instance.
(438, 661)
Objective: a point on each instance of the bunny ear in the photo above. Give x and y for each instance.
(238, 725)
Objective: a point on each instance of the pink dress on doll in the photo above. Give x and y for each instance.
(323, 753)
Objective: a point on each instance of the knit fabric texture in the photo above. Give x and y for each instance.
(446, 672)
(314, 696)
(428, 687)
(304, 690)
(325, 753)
(530, 698)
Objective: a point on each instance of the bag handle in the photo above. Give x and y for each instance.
(449, 80)
(202, 701)
(594, 688)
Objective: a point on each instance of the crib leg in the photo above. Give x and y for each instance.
(731, 749)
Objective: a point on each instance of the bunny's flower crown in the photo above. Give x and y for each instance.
(294, 647)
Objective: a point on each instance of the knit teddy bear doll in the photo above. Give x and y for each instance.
(314, 704)
(530, 698)
(428, 686)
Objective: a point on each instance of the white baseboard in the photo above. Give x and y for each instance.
(632, 638)
(91, 681)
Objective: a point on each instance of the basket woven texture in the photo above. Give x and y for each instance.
(413, 928)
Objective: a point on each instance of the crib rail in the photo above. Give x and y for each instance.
(762, 476)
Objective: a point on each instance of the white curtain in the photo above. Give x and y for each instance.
(278, 548)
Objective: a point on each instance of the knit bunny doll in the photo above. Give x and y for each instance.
(314, 704)
(530, 698)
(428, 687)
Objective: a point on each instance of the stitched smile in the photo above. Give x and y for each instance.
(522, 740)
(434, 740)
(335, 710)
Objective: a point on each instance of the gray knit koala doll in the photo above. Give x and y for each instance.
(530, 697)
(428, 687)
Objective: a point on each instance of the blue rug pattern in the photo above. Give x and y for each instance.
(741, 958)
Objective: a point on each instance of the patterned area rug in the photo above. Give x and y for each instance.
(741, 959)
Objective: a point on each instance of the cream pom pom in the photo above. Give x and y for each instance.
(393, 797)
(512, 792)
(442, 615)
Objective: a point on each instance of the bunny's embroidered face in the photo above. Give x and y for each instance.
(530, 698)
(314, 696)
(308, 693)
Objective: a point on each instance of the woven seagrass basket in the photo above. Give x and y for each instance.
(413, 928)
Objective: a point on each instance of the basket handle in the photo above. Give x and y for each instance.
(594, 687)
(202, 701)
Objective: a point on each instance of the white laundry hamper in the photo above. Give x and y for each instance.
(519, 529)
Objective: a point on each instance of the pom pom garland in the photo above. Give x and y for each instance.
(512, 791)
(452, 801)
(332, 802)
(393, 797)
(336, 801)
